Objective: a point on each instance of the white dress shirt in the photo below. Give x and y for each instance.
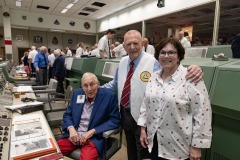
(185, 43)
(103, 45)
(179, 112)
(79, 52)
(150, 49)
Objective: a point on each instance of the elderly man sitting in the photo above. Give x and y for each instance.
(92, 111)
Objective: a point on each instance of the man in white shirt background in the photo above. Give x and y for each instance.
(68, 52)
(31, 57)
(103, 44)
(147, 47)
(51, 59)
(185, 43)
(95, 51)
(80, 50)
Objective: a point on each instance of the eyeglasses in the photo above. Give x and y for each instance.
(169, 53)
(87, 85)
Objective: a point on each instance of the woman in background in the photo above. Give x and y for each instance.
(26, 63)
(177, 113)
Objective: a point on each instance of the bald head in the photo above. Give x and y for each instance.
(145, 42)
(181, 34)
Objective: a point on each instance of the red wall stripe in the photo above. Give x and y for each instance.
(8, 42)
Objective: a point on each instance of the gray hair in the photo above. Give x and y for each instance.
(43, 48)
(88, 74)
(56, 52)
(33, 48)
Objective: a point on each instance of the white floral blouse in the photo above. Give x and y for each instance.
(179, 112)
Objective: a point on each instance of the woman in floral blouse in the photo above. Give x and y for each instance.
(175, 116)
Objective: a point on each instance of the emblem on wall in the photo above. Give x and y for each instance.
(37, 39)
(54, 40)
(87, 25)
(6, 14)
(70, 41)
(72, 23)
(56, 22)
(40, 19)
(24, 17)
(19, 38)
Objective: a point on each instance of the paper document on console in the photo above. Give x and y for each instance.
(17, 106)
(22, 89)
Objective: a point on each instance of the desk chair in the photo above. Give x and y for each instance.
(57, 107)
(43, 91)
(113, 142)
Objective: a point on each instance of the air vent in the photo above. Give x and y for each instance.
(90, 9)
(206, 10)
(83, 14)
(43, 7)
(99, 4)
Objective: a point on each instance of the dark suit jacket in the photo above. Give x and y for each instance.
(105, 115)
(58, 69)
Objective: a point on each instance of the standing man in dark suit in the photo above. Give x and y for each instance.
(41, 65)
(59, 70)
(91, 112)
(236, 46)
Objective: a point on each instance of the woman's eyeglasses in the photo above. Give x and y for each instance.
(169, 53)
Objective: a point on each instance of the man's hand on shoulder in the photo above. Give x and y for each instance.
(85, 137)
(195, 73)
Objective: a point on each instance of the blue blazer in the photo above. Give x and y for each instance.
(105, 115)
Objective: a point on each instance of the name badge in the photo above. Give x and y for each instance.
(80, 99)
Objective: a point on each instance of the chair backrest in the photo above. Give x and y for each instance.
(68, 93)
(52, 84)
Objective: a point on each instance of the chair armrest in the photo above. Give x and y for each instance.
(107, 134)
(45, 91)
(39, 87)
(55, 94)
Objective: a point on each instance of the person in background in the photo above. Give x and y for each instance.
(59, 70)
(147, 47)
(31, 57)
(236, 46)
(119, 51)
(175, 116)
(185, 43)
(92, 111)
(135, 70)
(80, 51)
(68, 52)
(87, 51)
(26, 63)
(103, 44)
(51, 59)
(95, 51)
(41, 65)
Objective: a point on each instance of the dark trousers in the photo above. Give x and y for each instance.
(33, 69)
(60, 88)
(41, 77)
(154, 153)
(132, 131)
(50, 74)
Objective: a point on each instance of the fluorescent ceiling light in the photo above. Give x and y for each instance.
(57, 30)
(69, 5)
(18, 3)
(64, 10)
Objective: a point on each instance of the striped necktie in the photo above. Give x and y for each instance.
(127, 87)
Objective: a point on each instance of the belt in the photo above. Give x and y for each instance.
(126, 109)
(43, 68)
